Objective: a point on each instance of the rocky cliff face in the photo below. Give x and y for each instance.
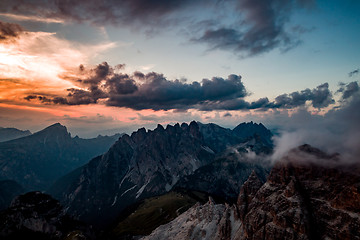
(223, 177)
(137, 166)
(258, 137)
(35, 215)
(239, 152)
(304, 200)
(201, 222)
(308, 195)
(36, 161)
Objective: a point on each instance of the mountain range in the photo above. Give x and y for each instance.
(182, 181)
(150, 163)
(37, 160)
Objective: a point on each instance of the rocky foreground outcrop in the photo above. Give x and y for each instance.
(308, 195)
(35, 215)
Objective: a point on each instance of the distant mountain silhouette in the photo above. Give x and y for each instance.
(7, 134)
(36, 161)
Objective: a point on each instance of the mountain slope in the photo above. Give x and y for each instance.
(308, 195)
(223, 177)
(219, 138)
(8, 190)
(142, 165)
(153, 212)
(7, 134)
(36, 161)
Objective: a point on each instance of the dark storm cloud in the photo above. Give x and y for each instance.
(349, 89)
(256, 26)
(154, 91)
(261, 28)
(99, 12)
(320, 97)
(9, 30)
(150, 91)
(159, 93)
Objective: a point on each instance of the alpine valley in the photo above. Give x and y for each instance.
(182, 181)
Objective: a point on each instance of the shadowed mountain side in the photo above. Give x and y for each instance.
(35, 215)
(8, 190)
(36, 161)
(153, 212)
(142, 165)
(219, 138)
(223, 177)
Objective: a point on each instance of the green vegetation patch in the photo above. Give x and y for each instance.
(156, 211)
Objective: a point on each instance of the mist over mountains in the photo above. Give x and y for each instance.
(126, 186)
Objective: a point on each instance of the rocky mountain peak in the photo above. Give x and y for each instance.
(159, 128)
(54, 131)
(195, 130)
(306, 148)
(184, 125)
(137, 166)
(246, 130)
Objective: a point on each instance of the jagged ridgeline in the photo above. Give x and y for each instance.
(151, 163)
(189, 181)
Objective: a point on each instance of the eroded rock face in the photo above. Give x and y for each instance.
(208, 221)
(145, 164)
(303, 200)
(308, 195)
(38, 215)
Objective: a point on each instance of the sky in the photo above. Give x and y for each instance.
(101, 67)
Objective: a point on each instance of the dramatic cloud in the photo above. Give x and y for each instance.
(32, 63)
(260, 28)
(336, 131)
(320, 97)
(255, 26)
(98, 12)
(349, 89)
(9, 30)
(138, 91)
(146, 91)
